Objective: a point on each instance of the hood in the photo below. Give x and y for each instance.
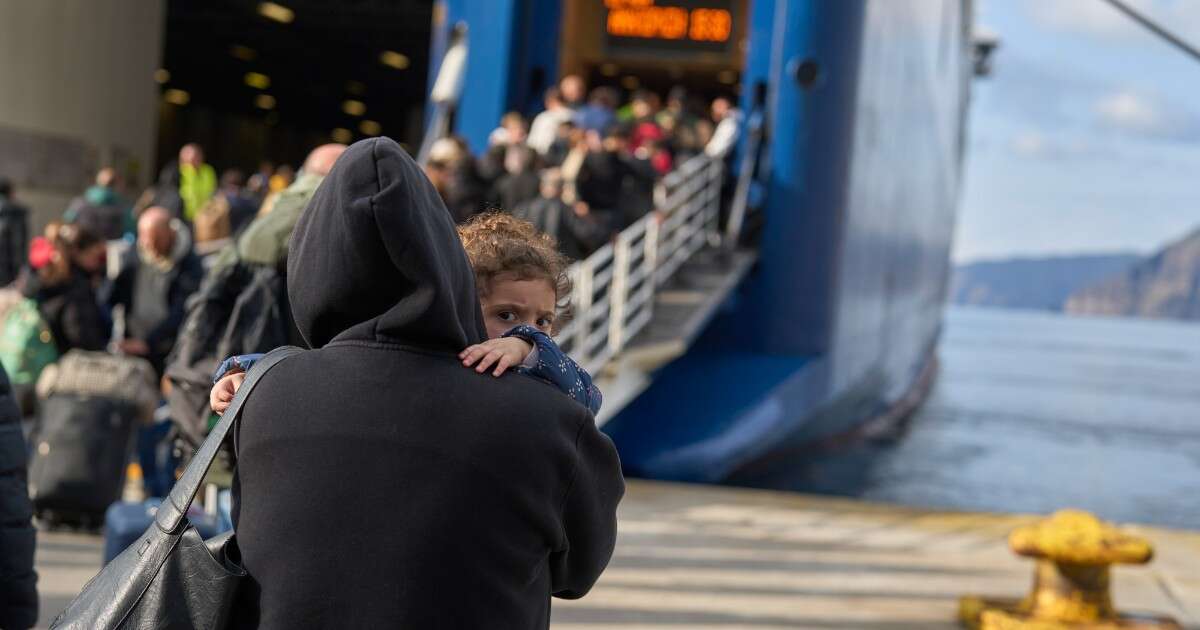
(375, 257)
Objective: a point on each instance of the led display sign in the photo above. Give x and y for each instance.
(676, 25)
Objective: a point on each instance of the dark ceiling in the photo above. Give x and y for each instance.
(329, 53)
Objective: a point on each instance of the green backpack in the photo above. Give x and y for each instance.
(26, 345)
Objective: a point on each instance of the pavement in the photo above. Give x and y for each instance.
(707, 558)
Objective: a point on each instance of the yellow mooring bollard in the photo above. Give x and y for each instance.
(1073, 550)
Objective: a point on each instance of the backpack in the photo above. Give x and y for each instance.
(241, 308)
(26, 343)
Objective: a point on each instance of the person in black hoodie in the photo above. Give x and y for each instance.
(380, 484)
(18, 582)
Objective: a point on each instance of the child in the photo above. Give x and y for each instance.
(522, 284)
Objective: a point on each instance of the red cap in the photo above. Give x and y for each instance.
(40, 252)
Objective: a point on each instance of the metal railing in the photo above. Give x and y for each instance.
(614, 292)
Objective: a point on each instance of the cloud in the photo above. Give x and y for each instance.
(1101, 20)
(1035, 144)
(1134, 113)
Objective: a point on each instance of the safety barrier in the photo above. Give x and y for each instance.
(613, 296)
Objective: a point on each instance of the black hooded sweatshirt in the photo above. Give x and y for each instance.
(380, 484)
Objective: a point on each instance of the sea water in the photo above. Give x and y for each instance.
(1036, 411)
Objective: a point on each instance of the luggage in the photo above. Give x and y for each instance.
(81, 446)
(84, 434)
(26, 344)
(126, 521)
(125, 378)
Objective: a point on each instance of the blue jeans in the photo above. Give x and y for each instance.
(156, 455)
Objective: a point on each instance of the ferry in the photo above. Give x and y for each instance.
(806, 305)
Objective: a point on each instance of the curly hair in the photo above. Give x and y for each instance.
(498, 243)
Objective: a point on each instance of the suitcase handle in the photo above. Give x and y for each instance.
(174, 509)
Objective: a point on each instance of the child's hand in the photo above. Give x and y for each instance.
(222, 393)
(504, 353)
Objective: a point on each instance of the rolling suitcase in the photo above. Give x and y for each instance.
(126, 521)
(84, 434)
(80, 451)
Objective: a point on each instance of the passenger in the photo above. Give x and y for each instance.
(164, 193)
(14, 234)
(197, 180)
(242, 204)
(571, 225)
(519, 183)
(679, 124)
(544, 130)
(561, 146)
(381, 485)
(459, 183)
(100, 209)
(728, 119)
(615, 185)
(491, 166)
(513, 130)
(63, 263)
(600, 112)
(522, 282)
(18, 582)
(572, 88)
(283, 177)
(154, 288)
(265, 240)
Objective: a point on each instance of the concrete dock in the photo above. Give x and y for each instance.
(704, 558)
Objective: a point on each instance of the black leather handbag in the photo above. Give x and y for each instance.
(171, 579)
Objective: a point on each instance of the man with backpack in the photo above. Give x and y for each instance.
(242, 304)
(14, 234)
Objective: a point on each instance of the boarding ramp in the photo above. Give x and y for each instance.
(641, 300)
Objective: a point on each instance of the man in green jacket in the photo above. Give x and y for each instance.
(197, 180)
(265, 240)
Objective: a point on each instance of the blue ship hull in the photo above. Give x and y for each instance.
(837, 324)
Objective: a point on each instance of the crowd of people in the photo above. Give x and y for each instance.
(209, 254)
(584, 167)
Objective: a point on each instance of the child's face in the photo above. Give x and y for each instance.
(512, 302)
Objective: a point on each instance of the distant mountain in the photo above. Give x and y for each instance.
(1166, 284)
(1034, 283)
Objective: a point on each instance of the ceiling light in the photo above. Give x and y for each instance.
(353, 107)
(277, 12)
(342, 135)
(370, 128)
(258, 80)
(393, 59)
(245, 53)
(161, 76)
(264, 101)
(177, 97)
(357, 88)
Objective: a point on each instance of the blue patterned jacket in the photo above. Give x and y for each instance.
(546, 362)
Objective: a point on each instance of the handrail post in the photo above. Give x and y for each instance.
(651, 253)
(583, 306)
(618, 293)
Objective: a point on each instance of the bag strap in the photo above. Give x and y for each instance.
(173, 510)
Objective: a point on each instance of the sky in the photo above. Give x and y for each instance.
(1086, 138)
